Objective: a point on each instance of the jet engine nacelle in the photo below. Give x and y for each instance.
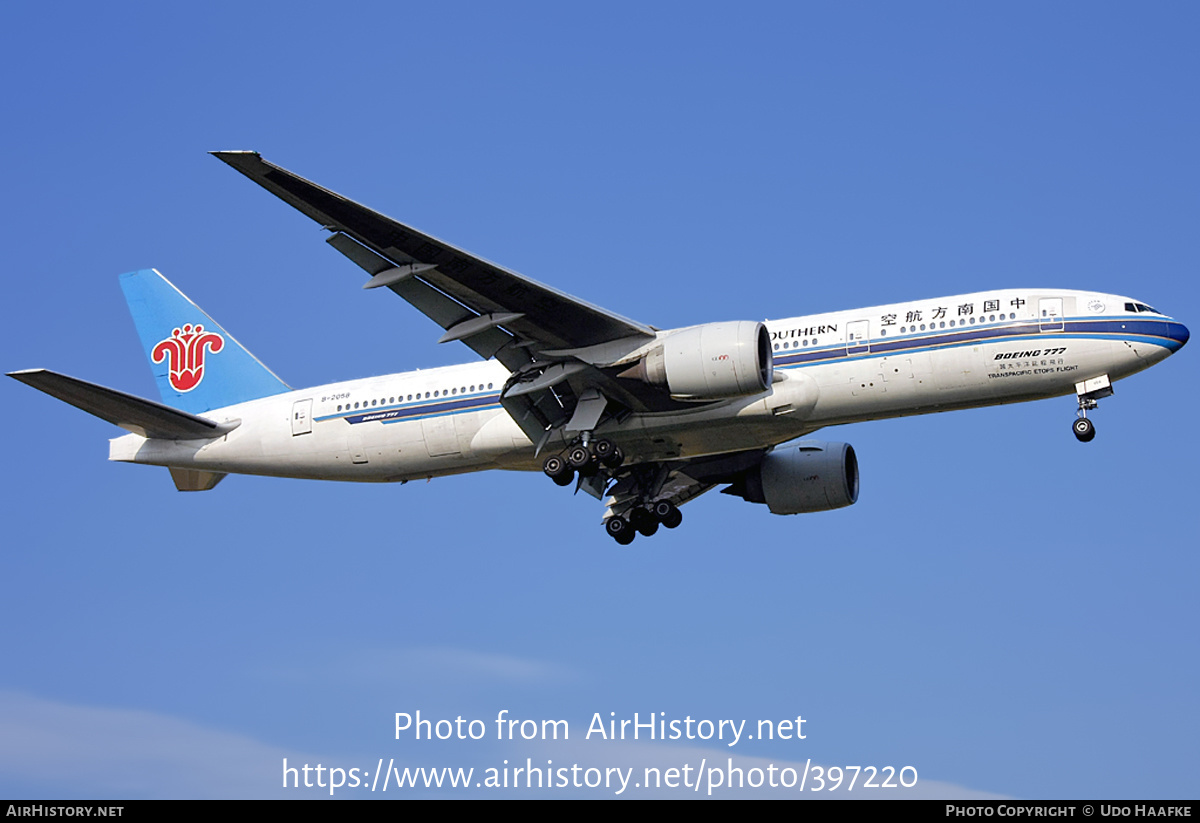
(711, 361)
(809, 476)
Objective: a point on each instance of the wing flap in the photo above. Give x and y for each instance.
(678, 481)
(434, 304)
(132, 413)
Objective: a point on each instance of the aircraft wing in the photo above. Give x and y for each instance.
(485, 293)
(556, 346)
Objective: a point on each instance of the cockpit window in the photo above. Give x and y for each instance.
(1140, 307)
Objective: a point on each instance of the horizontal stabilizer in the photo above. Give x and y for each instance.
(144, 417)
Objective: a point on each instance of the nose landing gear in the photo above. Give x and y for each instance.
(1084, 430)
(1089, 392)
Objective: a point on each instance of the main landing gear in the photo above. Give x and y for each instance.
(643, 519)
(636, 511)
(585, 459)
(1089, 392)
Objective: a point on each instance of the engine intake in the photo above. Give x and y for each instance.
(808, 476)
(710, 362)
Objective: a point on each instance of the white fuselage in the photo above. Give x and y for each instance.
(982, 349)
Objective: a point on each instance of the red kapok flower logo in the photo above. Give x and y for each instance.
(184, 351)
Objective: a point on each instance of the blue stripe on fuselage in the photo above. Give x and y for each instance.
(1169, 334)
(399, 413)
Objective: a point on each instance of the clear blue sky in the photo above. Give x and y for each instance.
(1008, 611)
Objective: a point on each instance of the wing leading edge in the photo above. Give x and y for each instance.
(557, 347)
(552, 319)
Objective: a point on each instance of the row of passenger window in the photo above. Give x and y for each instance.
(909, 329)
(932, 326)
(387, 401)
(797, 344)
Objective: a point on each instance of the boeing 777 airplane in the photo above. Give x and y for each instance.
(645, 418)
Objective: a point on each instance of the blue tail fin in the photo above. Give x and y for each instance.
(197, 364)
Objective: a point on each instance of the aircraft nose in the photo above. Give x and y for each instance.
(1179, 333)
